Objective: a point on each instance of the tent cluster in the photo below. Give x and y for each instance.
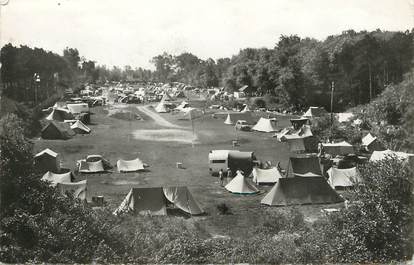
(65, 120)
(47, 162)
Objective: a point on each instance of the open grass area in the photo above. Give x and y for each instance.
(122, 139)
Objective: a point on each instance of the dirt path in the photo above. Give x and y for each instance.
(156, 117)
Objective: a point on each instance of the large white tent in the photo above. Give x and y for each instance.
(265, 125)
(239, 185)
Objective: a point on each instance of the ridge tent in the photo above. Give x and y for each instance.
(344, 116)
(91, 167)
(182, 198)
(76, 108)
(313, 112)
(59, 114)
(80, 128)
(341, 148)
(271, 175)
(57, 131)
(184, 104)
(153, 201)
(298, 190)
(342, 177)
(161, 108)
(129, 165)
(46, 160)
(245, 109)
(191, 114)
(265, 125)
(78, 189)
(239, 185)
(381, 155)
(235, 116)
(371, 143)
(54, 179)
(302, 166)
(302, 132)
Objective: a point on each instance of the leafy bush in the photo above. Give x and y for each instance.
(377, 226)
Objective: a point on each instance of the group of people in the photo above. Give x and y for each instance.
(229, 176)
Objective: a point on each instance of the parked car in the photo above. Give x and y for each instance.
(242, 125)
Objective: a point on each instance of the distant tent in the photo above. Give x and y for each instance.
(57, 130)
(80, 128)
(191, 114)
(239, 185)
(129, 165)
(341, 148)
(344, 117)
(182, 106)
(265, 125)
(313, 112)
(153, 201)
(77, 189)
(161, 108)
(47, 160)
(235, 116)
(305, 166)
(60, 105)
(371, 143)
(296, 145)
(271, 175)
(342, 177)
(59, 114)
(299, 190)
(298, 123)
(381, 155)
(166, 97)
(54, 178)
(76, 108)
(95, 158)
(302, 132)
(179, 94)
(228, 120)
(182, 198)
(91, 167)
(246, 108)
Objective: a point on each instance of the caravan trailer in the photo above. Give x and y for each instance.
(233, 159)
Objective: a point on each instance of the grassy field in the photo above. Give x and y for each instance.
(115, 139)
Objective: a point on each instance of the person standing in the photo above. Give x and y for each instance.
(229, 175)
(221, 177)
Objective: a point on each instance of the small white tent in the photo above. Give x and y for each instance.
(239, 185)
(265, 125)
(161, 108)
(342, 177)
(270, 175)
(228, 120)
(129, 165)
(54, 179)
(91, 167)
(80, 128)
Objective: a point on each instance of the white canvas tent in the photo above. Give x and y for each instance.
(191, 114)
(239, 185)
(342, 177)
(271, 175)
(313, 112)
(265, 125)
(54, 178)
(129, 165)
(246, 108)
(182, 198)
(91, 167)
(228, 120)
(78, 189)
(76, 108)
(381, 155)
(161, 108)
(47, 160)
(80, 128)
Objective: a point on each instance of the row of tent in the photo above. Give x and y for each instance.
(96, 164)
(63, 182)
(55, 130)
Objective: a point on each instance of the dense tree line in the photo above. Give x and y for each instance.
(300, 71)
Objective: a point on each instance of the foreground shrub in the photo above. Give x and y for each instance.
(377, 226)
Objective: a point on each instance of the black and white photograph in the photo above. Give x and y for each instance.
(206, 132)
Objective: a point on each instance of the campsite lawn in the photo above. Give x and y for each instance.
(114, 138)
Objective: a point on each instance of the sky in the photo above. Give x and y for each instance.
(131, 32)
